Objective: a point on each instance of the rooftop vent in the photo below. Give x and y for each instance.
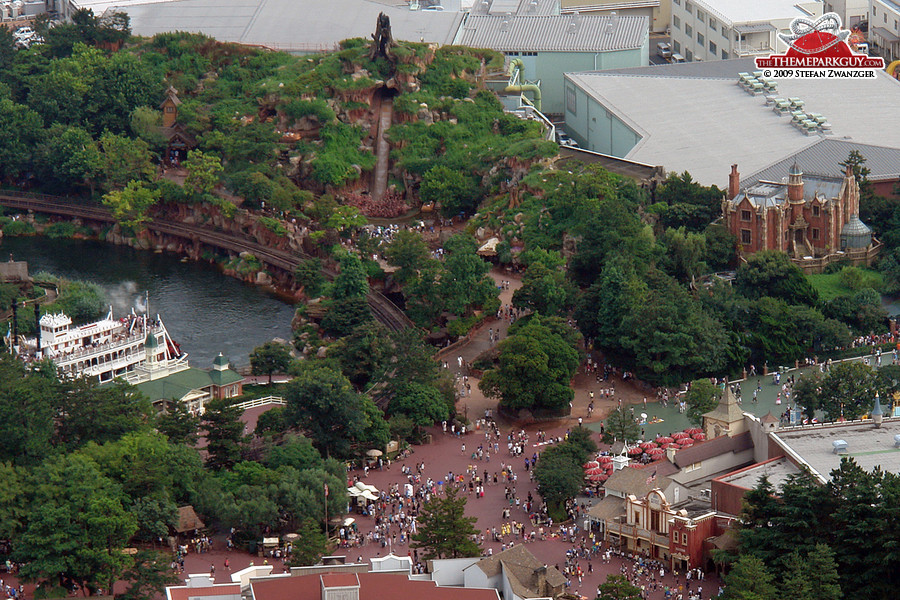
(504, 24)
(839, 447)
(897, 440)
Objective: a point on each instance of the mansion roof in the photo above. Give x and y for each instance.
(770, 194)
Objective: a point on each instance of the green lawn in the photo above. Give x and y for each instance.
(830, 286)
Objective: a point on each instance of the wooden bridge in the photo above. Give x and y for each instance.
(385, 312)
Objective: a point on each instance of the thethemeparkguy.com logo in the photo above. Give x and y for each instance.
(819, 49)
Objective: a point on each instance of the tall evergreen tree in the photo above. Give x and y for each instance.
(444, 530)
(749, 579)
(224, 434)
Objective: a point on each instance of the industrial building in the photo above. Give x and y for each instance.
(702, 118)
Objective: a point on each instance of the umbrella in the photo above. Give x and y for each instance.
(636, 451)
(699, 436)
(664, 440)
(693, 430)
(644, 416)
(595, 477)
(595, 471)
(680, 435)
(648, 445)
(374, 453)
(685, 442)
(591, 464)
(603, 477)
(290, 537)
(656, 452)
(605, 460)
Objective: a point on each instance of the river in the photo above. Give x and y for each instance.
(204, 311)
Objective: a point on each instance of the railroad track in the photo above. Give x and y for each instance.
(385, 312)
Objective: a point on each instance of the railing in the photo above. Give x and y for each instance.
(751, 50)
(256, 402)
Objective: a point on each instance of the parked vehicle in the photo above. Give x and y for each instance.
(676, 58)
(664, 50)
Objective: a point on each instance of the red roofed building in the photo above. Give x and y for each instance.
(201, 587)
(359, 586)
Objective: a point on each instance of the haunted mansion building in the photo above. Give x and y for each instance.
(815, 220)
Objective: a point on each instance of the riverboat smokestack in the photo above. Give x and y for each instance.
(15, 338)
(37, 328)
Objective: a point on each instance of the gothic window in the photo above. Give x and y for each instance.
(746, 236)
(815, 234)
(745, 215)
(815, 211)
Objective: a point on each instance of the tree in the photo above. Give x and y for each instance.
(77, 528)
(94, 413)
(352, 281)
(452, 189)
(559, 476)
(69, 156)
(130, 206)
(807, 390)
(825, 584)
(270, 358)
(20, 131)
(684, 252)
(617, 587)
(309, 275)
(296, 451)
(701, 398)
(148, 577)
(756, 535)
(178, 424)
(848, 390)
(203, 172)
(465, 284)
(322, 403)
(444, 530)
(544, 290)
(749, 579)
(124, 160)
(409, 252)
(620, 427)
(310, 547)
(667, 350)
(224, 433)
(771, 273)
(535, 367)
(347, 315)
(422, 403)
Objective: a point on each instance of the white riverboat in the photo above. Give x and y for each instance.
(104, 349)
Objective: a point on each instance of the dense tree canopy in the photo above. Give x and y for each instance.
(535, 365)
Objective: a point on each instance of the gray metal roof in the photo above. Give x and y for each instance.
(293, 25)
(823, 157)
(770, 193)
(515, 7)
(704, 124)
(555, 33)
(714, 69)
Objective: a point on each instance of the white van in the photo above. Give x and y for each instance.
(664, 50)
(676, 58)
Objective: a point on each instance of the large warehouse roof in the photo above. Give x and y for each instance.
(690, 122)
(742, 11)
(300, 25)
(554, 33)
